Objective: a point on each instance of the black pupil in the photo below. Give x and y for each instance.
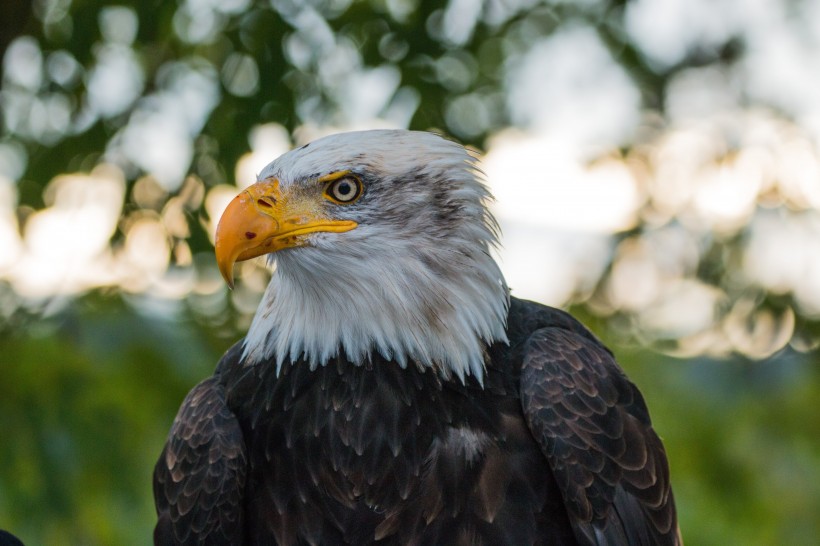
(344, 189)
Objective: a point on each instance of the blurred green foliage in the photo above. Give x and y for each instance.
(86, 399)
(89, 386)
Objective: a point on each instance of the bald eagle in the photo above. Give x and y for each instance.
(389, 389)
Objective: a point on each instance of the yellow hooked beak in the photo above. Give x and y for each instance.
(261, 220)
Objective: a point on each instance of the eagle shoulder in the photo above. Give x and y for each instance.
(593, 426)
(200, 476)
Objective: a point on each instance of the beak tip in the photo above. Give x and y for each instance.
(225, 266)
(227, 273)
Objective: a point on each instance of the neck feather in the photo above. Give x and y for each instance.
(438, 309)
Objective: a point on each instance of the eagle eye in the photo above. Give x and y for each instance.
(344, 190)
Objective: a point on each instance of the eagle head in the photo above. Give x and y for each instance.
(381, 243)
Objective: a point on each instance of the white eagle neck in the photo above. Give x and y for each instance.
(440, 312)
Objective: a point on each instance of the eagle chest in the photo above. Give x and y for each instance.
(353, 454)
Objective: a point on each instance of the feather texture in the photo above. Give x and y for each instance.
(593, 427)
(555, 448)
(200, 476)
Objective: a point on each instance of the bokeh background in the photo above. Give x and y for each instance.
(656, 168)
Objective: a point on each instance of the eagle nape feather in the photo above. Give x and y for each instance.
(390, 390)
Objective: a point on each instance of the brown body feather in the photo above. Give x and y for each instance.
(555, 448)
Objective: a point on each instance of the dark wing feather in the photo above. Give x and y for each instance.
(594, 428)
(200, 476)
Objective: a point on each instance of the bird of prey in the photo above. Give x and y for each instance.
(390, 390)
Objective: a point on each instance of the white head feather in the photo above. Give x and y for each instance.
(413, 281)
